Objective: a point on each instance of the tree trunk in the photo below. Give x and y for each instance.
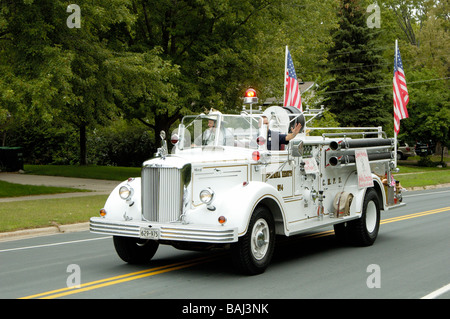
(161, 124)
(83, 153)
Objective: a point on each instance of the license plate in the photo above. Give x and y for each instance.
(148, 233)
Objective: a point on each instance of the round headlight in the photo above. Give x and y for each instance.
(125, 192)
(207, 195)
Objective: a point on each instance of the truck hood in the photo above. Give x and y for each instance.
(202, 155)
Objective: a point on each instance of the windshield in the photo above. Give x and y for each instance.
(220, 130)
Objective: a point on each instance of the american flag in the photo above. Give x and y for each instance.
(292, 94)
(401, 97)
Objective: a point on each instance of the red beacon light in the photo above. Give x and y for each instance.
(250, 93)
(250, 97)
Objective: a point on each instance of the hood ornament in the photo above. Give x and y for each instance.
(162, 151)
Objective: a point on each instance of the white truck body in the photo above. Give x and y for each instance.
(209, 189)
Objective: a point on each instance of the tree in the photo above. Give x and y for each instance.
(207, 46)
(356, 94)
(410, 16)
(32, 70)
(427, 72)
(217, 49)
(35, 62)
(429, 109)
(154, 60)
(90, 100)
(54, 71)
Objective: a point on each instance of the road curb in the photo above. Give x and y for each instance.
(420, 188)
(43, 231)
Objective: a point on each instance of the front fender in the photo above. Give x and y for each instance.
(119, 209)
(239, 202)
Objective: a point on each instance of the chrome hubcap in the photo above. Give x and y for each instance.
(260, 239)
(371, 216)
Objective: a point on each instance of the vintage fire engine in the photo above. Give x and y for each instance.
(220, 186)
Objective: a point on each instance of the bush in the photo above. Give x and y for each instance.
(44, 143)
(425, 161)
(441, 164)
(120, 144)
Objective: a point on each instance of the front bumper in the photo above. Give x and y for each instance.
(167, 231)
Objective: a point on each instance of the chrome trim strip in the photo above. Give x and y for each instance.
(173, 231)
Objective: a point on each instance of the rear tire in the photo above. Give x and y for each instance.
(362, 231)
(135, 250)
(253, 252)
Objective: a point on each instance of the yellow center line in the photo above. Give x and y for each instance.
(109, 283)
(429, 212)
(121, 278)
(189, 263)
(386, 221)
(320, 234)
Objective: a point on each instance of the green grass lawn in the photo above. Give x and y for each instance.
(423, 178)
(411, 175)
(48, 212)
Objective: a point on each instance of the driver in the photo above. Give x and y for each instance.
(209, 134)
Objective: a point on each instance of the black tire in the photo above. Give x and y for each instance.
(341, 233)
(253, 252)
(135, 250)
(362, 231)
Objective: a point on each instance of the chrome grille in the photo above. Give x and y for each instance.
(162, 193)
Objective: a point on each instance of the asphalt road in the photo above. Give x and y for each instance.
(409, 260)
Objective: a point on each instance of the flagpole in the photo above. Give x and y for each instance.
(395, 133)
(284, 75)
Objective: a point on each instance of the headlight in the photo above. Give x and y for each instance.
(207, 195)
(125, 192)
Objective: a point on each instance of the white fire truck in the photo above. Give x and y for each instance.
(220, 186)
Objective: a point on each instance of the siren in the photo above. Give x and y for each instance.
(250, 96)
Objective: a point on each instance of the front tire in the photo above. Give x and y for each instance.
(135, 250)
(253, 252)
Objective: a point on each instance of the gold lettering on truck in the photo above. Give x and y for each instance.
(287, 173)
(273, 175)
(278, 175)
